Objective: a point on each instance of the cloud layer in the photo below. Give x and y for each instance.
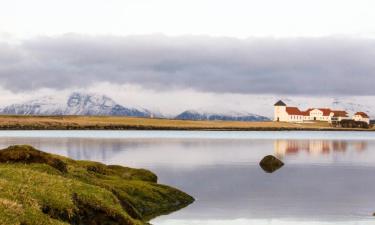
(303, 66)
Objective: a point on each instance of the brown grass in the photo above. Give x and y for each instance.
(118, 123)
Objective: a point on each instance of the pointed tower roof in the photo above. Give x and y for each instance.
(280, 103)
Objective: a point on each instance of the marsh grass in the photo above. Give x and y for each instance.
(126, 123)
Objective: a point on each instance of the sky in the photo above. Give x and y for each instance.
(187, 49)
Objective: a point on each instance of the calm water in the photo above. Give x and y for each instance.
(329, 177)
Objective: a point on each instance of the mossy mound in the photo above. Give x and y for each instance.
(27, 154)
(41, 188)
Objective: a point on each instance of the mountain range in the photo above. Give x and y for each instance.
(232, 116)
(95, 104)
(75, 104)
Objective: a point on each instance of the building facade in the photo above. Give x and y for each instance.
(361, 116)
(284, 113)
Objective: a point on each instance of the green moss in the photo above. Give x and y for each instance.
(28, 154)
(37, 192)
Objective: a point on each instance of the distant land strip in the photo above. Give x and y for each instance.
(10, 122)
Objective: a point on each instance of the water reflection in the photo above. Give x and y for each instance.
(193, 153)
(316, 147)
(323, 181)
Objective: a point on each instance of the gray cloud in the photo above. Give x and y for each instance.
(317, 66)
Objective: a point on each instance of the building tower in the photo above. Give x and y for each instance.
(280, 111)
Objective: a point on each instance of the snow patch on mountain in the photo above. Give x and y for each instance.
(75, 104)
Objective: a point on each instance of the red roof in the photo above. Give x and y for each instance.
(307, 112)
(364, 115)
(340, 113)
(325, 111)
(294, 111)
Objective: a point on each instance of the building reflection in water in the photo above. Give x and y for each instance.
(316, 147)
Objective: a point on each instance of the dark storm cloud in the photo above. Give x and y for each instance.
(316, 66)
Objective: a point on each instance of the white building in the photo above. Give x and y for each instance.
(318, 114)
(284, 113)
(361, 116)
(337, 115)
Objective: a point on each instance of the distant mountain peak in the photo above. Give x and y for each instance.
(77, 103)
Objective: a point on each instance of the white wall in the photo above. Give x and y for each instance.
(280, 114)
(360, 118)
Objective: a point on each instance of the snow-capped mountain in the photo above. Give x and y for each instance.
(233, 116)
(75, 104)
(43, 106)
(94, 104)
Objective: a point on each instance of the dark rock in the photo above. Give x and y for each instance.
(270, 164)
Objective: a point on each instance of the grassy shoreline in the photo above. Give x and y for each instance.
(41, 188)
(133, 123)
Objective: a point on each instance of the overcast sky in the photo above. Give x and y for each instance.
(268, 47)
(314, 66)
(234, 18)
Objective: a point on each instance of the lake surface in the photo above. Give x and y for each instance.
(328, 177)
